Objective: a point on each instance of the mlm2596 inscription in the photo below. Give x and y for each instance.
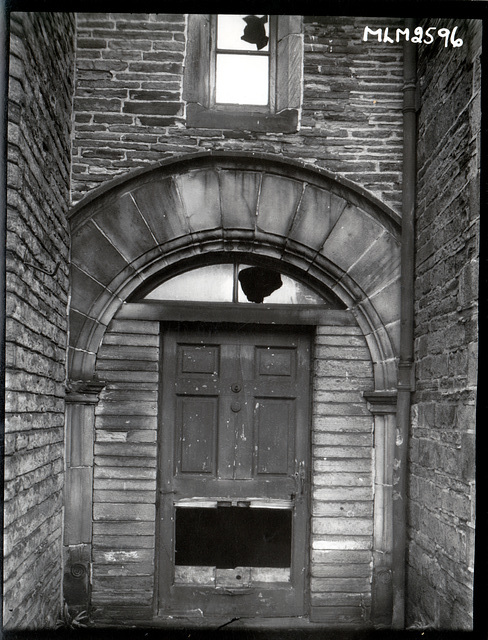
(418, 36)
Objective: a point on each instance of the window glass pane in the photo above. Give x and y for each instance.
(242, 79)
(230, 29)
(207, 284)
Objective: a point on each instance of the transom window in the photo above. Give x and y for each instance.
(239, 283)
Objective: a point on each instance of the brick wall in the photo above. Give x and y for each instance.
(441, 490)
(129, 110)
(39, 123)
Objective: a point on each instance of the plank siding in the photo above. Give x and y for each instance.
(342, 478)
(124, 485)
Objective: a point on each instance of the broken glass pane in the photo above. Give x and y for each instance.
(231, 28)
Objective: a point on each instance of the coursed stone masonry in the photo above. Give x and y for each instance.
(442, 450)
(37, 247)
(129, 110)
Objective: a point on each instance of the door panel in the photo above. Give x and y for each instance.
(235, 445)
(196, 419)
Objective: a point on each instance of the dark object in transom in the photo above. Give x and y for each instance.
(258, 283)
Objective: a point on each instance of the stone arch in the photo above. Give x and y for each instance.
(132, 228)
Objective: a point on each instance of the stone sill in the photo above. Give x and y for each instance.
(200, 117)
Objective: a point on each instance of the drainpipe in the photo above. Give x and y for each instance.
(406, 373)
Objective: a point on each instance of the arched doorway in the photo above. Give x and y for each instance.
(226, 209)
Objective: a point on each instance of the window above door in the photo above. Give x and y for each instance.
(244, 68)
(239, 283)
(243, 72)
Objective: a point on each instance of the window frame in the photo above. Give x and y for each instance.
(271, 55)
(235, 287)
(285, 78)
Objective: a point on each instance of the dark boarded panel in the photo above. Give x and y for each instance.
(233, 537)
(197, 418)
(274, 429)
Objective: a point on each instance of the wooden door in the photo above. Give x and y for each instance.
(234, 465)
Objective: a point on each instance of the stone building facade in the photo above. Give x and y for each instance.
(134, 179)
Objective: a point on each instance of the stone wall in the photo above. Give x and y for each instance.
(442, 451)
(37, 246)
(129, 110)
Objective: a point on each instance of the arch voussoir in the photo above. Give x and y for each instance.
(215, 205)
